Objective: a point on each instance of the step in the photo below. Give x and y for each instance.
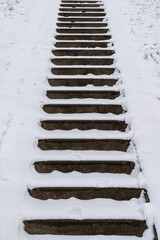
(83, 61)
(84, 1)
(81, 81)
(83, 37)
(82, 94)
(110, 125)
(82, 14)
(82, 30)
(82, 45)
(83, 108)
(85, 166)
(79, 19)
(84, 144)
(128, 227)
(74, 5)
(85, 193)
(95, 10)
(75, 52)
(82, 71)
(70, 25)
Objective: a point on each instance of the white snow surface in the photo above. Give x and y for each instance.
(27, 35)
(135, 28)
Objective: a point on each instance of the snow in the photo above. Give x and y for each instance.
(135, 27)
(27, 37)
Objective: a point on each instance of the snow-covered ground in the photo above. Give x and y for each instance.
(27, 30)
(135, 27)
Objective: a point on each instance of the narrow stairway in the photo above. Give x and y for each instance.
(87, 171)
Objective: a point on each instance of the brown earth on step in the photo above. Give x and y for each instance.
(86, 227)
(85, 193)
(83, 108)
(85, 166)
(84, 144)
(81, 81)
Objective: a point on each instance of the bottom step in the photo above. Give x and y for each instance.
(86, 227)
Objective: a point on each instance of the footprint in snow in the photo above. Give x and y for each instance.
(75, 212)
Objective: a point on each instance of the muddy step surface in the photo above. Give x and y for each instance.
(83, 10)
(82, 45)
(82, 71)
(82, 61)
(79, 19)
(110, 125)
(82, 14)
(83, 108)
(85, 166)
(81, 30)
(81, 81)
(71, 25)
(84, 144)
(74, 5)
(83, 37)
(80, 1)
(85, 193)
(82, 94)
(66, 52)
(86, 227)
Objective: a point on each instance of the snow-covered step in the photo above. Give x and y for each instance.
(84, 144)
(85, 193)
(82, 61)
(82, 94)
(85, 37)
(59, 24)
(111, 125)
(79, 19)
(71, 14)
(83, 209)
(85, 166)
(83, 108)
(82, 81)
(78, 179)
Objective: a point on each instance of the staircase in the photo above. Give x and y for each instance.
(86, 172)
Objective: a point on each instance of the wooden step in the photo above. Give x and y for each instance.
(84, 144)
(125, 227)
(110, 125)
(75, 52)
(71, 25)
(79, 19)
(95, 10)
(125, 167)
(82, 45)
(81, 81)
(83, 108)
(83, 37)
(82, 71)
(82, 14)
(85, 193)
(82, 30)
(82, 61)
(64, 94)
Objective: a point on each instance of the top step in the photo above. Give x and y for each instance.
(81, 5)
